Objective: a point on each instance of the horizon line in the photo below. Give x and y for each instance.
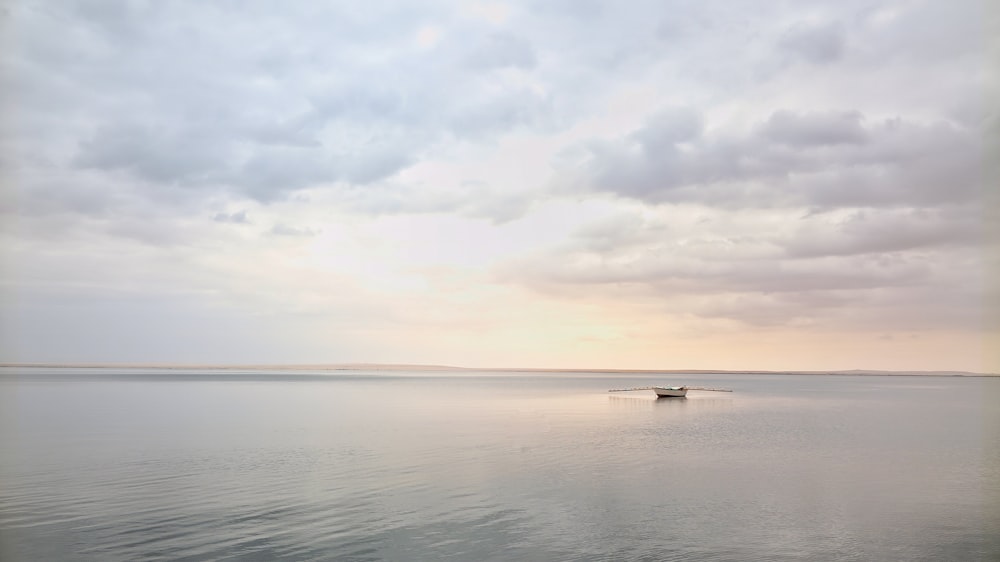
(433, 367)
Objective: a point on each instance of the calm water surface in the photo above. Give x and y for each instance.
(184, 465)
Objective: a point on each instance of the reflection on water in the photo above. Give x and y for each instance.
(680, 403)
(107, 466)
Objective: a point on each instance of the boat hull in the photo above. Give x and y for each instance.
(670, 392)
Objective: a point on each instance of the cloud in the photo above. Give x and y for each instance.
(816, 43)
(154, 153)
(817, 159)
(285, 230)
(180, 101)
(703, 165)
(756, 270)
(469, 198)
(184, 104)
(814, 129)
(502, 50)
(508, 112)
(239, 217)
(893, 230)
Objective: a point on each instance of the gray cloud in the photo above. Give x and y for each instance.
(179, 100)
(818, 159)
(814, 129)
(684, 274)
(669, 127)
(336, 97)
(239, 217)
(851, 274)
(51, 196)
(648, 161)
(869, 232)
(501, 50)
(511, 111)
(833, 153)
(154, 153)
(815, 43)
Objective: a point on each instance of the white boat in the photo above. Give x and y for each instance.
(670, 391)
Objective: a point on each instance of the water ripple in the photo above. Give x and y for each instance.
(488, 470)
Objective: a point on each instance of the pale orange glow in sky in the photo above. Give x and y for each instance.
(578, 185)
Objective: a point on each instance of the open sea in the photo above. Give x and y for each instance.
(127, 464)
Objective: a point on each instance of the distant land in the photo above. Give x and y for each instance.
(406, 367)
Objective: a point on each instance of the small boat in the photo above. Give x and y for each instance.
(670, 391)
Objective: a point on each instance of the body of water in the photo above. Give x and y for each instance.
(118, 464)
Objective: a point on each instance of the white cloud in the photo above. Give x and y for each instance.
(542, 173)
(428, 36)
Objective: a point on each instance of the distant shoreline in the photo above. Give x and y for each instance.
(405, 367)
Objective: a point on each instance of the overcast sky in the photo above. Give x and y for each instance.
(552, 183)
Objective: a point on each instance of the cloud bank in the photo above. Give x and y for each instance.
(514, 183)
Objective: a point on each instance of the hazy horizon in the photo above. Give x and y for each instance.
(711, 185)
(404, 367)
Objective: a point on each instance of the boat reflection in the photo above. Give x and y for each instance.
(669, 403)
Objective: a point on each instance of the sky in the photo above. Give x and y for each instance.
(555, 184)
